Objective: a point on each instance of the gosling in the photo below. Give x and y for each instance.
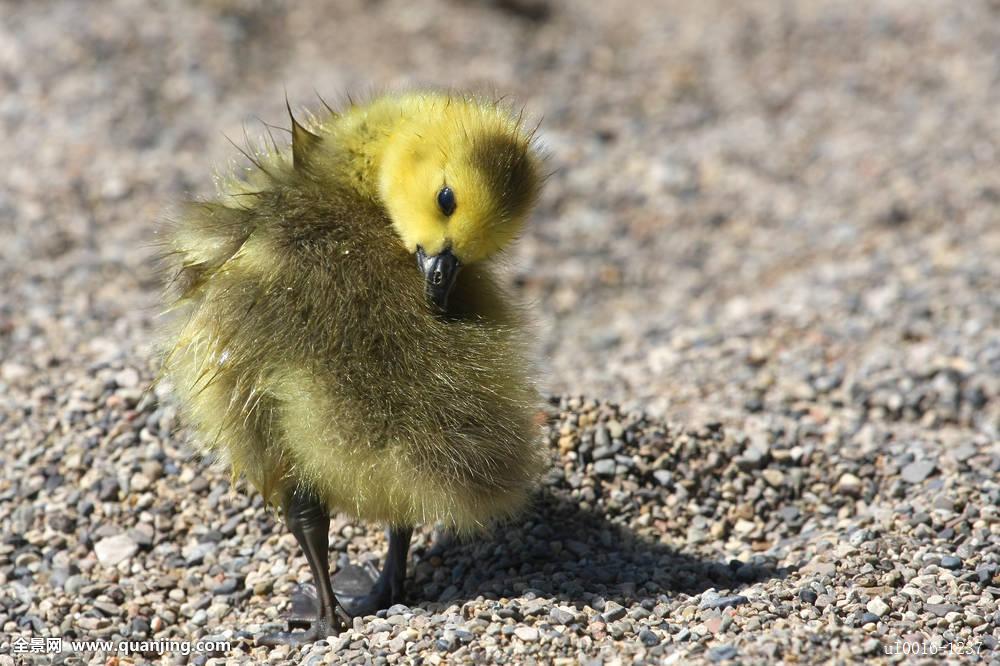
(346, 346)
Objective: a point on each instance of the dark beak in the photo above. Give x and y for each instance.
(439, 272)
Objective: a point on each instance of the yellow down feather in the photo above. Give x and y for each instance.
(305, 352)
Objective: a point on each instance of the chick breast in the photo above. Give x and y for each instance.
(310, 357)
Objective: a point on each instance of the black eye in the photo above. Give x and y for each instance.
(446, 201)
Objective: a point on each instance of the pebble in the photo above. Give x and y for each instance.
(563, 615)
(869, 618)
(963, 452)
(602, 439)
(228, 586)
(109, 490)
(917, 471)
(848, 484)
(526, 634)
(663, 477)
(774, 477)
(714, 600)
(648, 638)
(140, 482)
(859, 537)
(722, 653)
(877, 607)
(613, 611)
(74, 584)
(127, 378)
(951, 562)
(605, 468)
(940, 609)
(142, 535)
(397, 609)
(114, 549)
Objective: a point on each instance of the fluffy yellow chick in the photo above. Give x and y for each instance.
(346, 346)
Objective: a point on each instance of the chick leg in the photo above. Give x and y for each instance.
(388, 589)
(309, 520)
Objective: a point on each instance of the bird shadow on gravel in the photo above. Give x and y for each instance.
(557, 549)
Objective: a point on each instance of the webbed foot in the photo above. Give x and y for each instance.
(361, 593)
(302, 612)
(317, 630)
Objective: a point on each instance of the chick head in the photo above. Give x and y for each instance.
(458, 184)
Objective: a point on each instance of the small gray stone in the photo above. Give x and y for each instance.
(722, 653)
(605, 468)
(951, 562)
(114, 549)
(195, 553)
(963, 452)
(613, 611)
(397, 609)
(751, 459)
(648, 638)
(534, 607)
(774, 477)
(602, 438)
(639, 613)
(941, 610)
(869, 618)
(917, 471)
(563, 615)
(663, 477)
(92, 623)
(107, 609)
(227, 586)
(139, 482)
(526, 634)
(142, 535)
(849, 484)
(74, 584)
(127, 378)
(602, 452)
(713, 600)
(859, 537)
(877, 607)
(789, 513)
(380, 626)
(109, 490)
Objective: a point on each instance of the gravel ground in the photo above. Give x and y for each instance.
(768, 259)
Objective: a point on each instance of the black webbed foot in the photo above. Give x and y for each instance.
(305, 601)
(303, 609)
(302, 615)
(317, 630)
(362, 594)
